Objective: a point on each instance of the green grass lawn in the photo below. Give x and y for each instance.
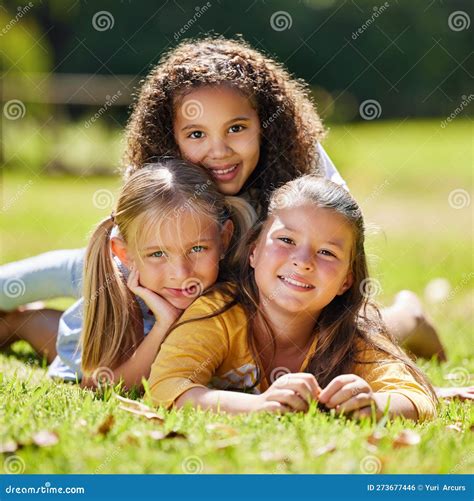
(405, 175)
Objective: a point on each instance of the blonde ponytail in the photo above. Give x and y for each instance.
(109, 306)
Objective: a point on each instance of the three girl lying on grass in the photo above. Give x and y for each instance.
(241, 117)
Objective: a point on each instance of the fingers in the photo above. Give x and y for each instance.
(298, 386)
(275, 407)
(306, 380)
(362, 413)
(357, 402)
(133, 281)
(347, 392)
(335, 385)
(289, 398)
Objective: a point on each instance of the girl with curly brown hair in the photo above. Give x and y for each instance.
(229, 108)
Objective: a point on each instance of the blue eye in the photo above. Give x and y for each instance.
(198, 248)
(233, 128)
(157, 254)
(197, 134)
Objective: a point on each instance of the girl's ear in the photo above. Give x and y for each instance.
(226, 234)
(347, 284)
(119, 249)
(252, 255)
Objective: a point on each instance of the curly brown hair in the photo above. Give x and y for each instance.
(290, 125)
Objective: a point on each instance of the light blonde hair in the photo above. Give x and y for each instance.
(113, 322)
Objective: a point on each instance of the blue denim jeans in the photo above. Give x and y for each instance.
(46, 276)
(50, 275)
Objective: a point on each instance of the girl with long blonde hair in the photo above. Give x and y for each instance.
(160, 249)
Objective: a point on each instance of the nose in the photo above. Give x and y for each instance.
(179, 270)
(302, 258)
(219, 149)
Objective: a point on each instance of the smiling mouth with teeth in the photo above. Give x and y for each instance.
(224, 171)
(295, 282)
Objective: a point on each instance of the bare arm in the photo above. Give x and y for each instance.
(138, 365)
(351, 393)
(399, 405)
(291, 393)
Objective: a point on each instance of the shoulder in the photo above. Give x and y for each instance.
(327, 168)
(218, 312)
(209, 303)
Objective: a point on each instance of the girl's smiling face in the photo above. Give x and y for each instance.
(217, 128)
(181, 259)
(302, 259)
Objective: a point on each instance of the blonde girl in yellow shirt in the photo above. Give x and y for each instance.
(297, 308)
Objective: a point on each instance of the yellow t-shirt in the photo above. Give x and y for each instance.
(214, 353)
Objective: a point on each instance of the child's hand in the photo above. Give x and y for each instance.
(292, 392)
(163, 310)
(347, 393)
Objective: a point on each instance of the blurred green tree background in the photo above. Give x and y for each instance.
(65, 60)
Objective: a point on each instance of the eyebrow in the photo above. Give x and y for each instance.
(191, 244)
(336, 243)
(235, 119)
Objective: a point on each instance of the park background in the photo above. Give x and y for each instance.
(393, 83)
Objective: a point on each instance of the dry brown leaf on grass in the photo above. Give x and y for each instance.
(45, 438)
(156, 435)
(9, 446)
(375, 437)
(457, 426)
(325, 449)
(406, 438)
(139, 409)
(132, 440)
(159, 435)
(81, 423)
(150, 415)
(106, 425)
(222, 428)
(225, 443)
(175, 434)
(274, 456)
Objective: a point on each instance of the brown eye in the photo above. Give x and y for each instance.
(197, 134)
(236, 128)
(327, 253)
